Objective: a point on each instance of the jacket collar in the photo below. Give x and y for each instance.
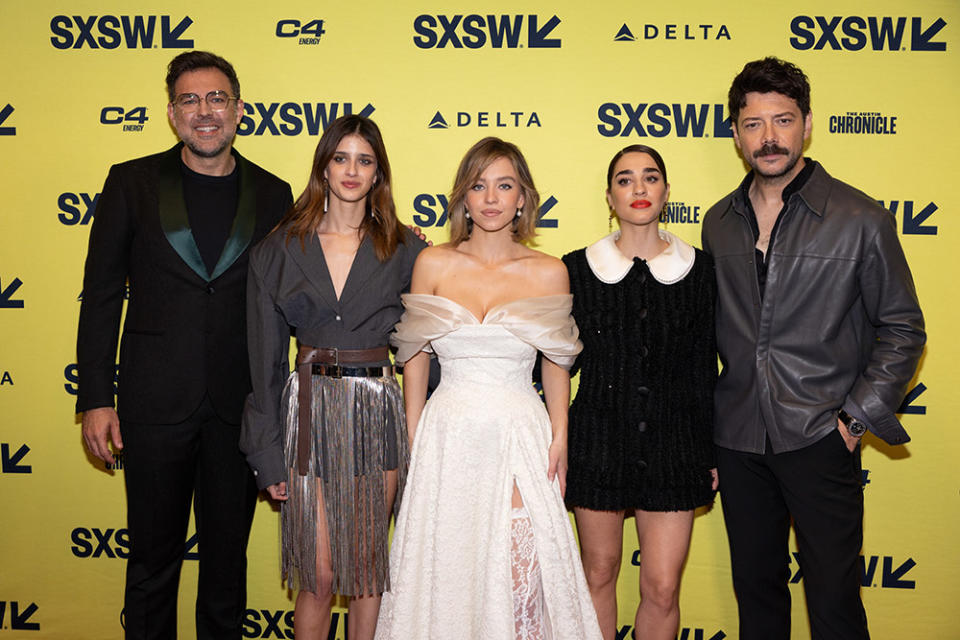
(313, 263)
(176, 224)
(611, 266)
(811, 184)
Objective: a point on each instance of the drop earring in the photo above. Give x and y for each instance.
(610, 223)
(326, 196)
(466, 213)
(519, 211)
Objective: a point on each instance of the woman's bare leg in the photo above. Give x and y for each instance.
(601, 549)
(664, 542)
(311, 613)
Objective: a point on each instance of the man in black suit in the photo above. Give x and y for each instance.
(178, 226)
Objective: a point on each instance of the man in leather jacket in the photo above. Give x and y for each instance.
(819, 332)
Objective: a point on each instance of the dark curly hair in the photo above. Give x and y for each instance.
(765, 76)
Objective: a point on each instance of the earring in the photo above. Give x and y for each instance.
(466, 213)
(610, 222)
(519, 211)
(326, 196)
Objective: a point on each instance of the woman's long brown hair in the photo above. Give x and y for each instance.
(380, 222)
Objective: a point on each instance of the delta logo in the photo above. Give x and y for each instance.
(661, 119)
(870, 123)
(294, 118)
(673, 32)
(112, 32)
(484, 119)
(875, 33)
(474, 31)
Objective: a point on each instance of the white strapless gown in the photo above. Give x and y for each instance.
(483, 429)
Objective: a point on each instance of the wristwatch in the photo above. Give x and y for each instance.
(854, 426)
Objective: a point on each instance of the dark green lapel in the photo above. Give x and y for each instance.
(173, 213)
(243, 223)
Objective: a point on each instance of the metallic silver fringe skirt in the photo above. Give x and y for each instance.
(358, 433)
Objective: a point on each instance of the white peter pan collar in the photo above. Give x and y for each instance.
(669, 266)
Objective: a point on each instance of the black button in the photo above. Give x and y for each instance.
(644, 351)
(210, 289)
(642, 314)
(641, 426)
(644, 391)
(641, 465)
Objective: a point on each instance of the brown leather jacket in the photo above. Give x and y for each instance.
(838, 326)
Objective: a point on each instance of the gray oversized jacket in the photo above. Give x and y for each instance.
(838, 326)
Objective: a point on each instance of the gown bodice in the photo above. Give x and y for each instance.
(500, 349)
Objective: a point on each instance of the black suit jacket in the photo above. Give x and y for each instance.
(184, 335)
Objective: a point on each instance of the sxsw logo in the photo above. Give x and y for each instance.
(680, 213)
(13, 462)
(431, 211)
(111, 32)
(308, 32)
(624, 633)
(914, 215)
(475, 31)
(266, 623)
(293, 118)
(71, 374)
(95, 543)
(660, 120)
(674, 32)
(892, 574)
(4, 114)
(483, 119)
(854, 33)
(19, 616)
(76, 208)
(7, 301)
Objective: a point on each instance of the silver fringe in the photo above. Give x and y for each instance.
(355, 424)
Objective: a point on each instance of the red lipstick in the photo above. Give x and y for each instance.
(640, 204)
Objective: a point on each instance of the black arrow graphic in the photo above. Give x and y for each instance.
(6, 294)
(10, 463)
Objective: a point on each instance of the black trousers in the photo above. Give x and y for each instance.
(166, 467)
(820, 488)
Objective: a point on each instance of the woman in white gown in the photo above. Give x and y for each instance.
(483, 546)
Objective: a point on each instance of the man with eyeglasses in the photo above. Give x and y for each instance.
(177, 227)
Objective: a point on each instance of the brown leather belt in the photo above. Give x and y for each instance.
(328, 361)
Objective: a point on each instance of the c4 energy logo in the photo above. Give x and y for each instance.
(111, 32)
(131, 119)
(293, 118)
(306, 32)
(482, 119)
(680, 213)
(19, 616)
(76, 208)
(495, 31)
(431, 211)
(876, 33)
(659, 120)
(863, 123)
(13, 462)
(6, 130)
(914, 215)
(7, 300)
(674, 32)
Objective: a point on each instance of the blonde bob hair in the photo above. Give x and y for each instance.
(475, 162)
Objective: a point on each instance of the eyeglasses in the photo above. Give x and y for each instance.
(190, 102)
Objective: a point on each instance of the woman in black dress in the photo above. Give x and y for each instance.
(641, 424)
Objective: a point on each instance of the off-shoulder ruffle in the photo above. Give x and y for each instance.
(543, 322)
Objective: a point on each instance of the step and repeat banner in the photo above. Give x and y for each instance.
(570, 83)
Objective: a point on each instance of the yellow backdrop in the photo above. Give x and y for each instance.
(570, 83)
